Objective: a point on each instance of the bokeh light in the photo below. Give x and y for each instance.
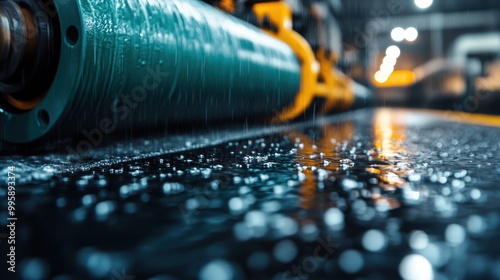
(393, 51)
(411, 34)
(423, 4)
(398, 34)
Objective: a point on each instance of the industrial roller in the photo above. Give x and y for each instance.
(80, 67)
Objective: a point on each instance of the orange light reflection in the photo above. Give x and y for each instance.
(312, 155)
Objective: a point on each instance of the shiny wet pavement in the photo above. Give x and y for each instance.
(371, 194)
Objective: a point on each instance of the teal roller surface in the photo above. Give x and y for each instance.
(126, 65)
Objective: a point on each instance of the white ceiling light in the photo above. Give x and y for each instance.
(423, 4)
(411, 34)
(398, 34)
(389, 60)
(381, 77)
(386, 68)
(393, 51)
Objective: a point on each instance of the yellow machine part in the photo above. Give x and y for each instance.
(333, 85)
(227, 6)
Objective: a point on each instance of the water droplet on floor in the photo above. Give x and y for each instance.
(374, 240)
(285, 251)
(236, 205)
(351, 261)
(334, 219)
(455, 234)
(217, 269)
(414, 267)
(34, 269)
(349, 184)
(172, 188)
(418, 240)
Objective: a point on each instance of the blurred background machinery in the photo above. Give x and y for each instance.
(445, 54)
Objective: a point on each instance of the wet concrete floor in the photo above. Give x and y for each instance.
(370, 194)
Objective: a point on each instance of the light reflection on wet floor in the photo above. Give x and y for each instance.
(377, 195)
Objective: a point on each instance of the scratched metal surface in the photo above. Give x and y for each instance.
(371, 194)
